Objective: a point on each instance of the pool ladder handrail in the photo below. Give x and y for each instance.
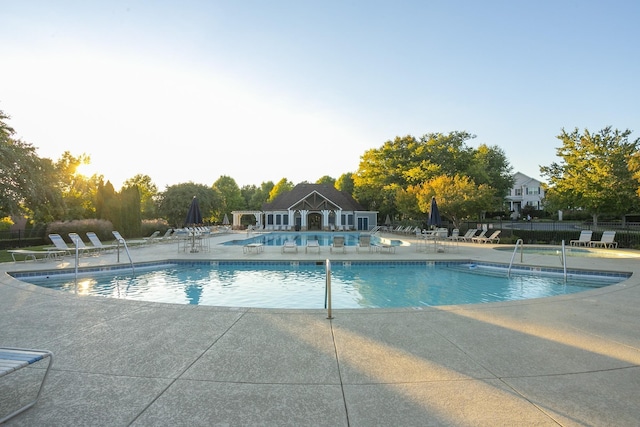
(515, 249)
(327, 289)
(126, 248)
(564, 261)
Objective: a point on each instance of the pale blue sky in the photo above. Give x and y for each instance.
(261, 90)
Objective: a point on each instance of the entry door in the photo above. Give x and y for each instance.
(363, 223)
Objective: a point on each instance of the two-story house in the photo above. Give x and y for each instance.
(526, 191)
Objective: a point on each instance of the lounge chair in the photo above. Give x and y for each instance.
(61, 245)
(44, 255)
(155, 237)
(129, 243)
(468, 235)
(491, 239)
(338, 244)
(312, 244)
(289, 245)
(77, 240)
(479, 237)
(97, 243)
(606, 241)
(583, 240)
(14, 359)
(364, 242)
(455, 234)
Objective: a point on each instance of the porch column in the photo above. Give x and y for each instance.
(338, 217)
(303, 219)
(325, 219)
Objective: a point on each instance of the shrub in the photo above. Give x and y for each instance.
(149, 226)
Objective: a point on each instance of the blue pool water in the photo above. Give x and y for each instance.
(302, 284)
(301, 238)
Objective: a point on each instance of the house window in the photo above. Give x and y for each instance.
(533, 191)
(270, 219)
(285, 219)
(518, 191)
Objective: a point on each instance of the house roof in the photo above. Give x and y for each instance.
(313, 197)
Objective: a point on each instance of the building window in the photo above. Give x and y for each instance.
(518, 191)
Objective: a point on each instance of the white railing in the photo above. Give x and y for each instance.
(515, 249)
(327, 289)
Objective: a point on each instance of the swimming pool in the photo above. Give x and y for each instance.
(301, 238)
(571, 251)
(301, 285)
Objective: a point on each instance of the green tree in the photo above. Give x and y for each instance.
(130, 218)
(491, 167)
(29, 183)
(326, 179)
(175, 200)
(78, 192)
(232, 199)
(345, 183)
(595, 173)
(458, 197)
(148, 194)
(108, 204)
(282, 186)
(256, 196)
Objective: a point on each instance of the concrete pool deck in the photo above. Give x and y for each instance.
(569, 360)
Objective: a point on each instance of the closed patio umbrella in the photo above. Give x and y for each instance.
(225, 220)
(434, 214)
(194, 216)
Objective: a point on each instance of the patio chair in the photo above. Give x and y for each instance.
(491, 239)
(479, 237)
(97, 243)
(468, 235)
(14, 359)
(129, 243)
(606, 241)
(583, 240)
(364, 242)
(338, 245)
(61, 245)
(77, 240)
(289, 245)
(312, 244)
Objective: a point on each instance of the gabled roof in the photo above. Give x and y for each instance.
(521, 179)
(313, 197)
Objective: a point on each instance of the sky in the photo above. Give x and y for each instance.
(188, 91)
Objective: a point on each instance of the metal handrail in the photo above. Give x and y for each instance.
(515, 249)
(327, 289)
(126, 248)
(564, 261)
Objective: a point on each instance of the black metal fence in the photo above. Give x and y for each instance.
(554, 232)
(21, 238)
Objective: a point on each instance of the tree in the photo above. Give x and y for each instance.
(174, 202)
(28, 184)
(596, 173)
(345, 183)
(148, 194)
(458, 197)
(78, 192)
(326, 180)
(130, 218)
(406, 161)
(255, 196)
(282, 186)
(232, 199)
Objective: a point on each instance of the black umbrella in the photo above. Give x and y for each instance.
(193, 215)
(434, 214)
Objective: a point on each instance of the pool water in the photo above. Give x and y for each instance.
(302, 285)
(301, 238)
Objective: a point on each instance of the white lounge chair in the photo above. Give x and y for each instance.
(364, 242)
(338, 244)
(97, 243)
(289, 245)
(479, 237)
(583, 240)
(77, 240)
(61, 245)
(14, 359)
(468, 235)
(129, 243)
(606, 241)
(493, 238)
(312, 244)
